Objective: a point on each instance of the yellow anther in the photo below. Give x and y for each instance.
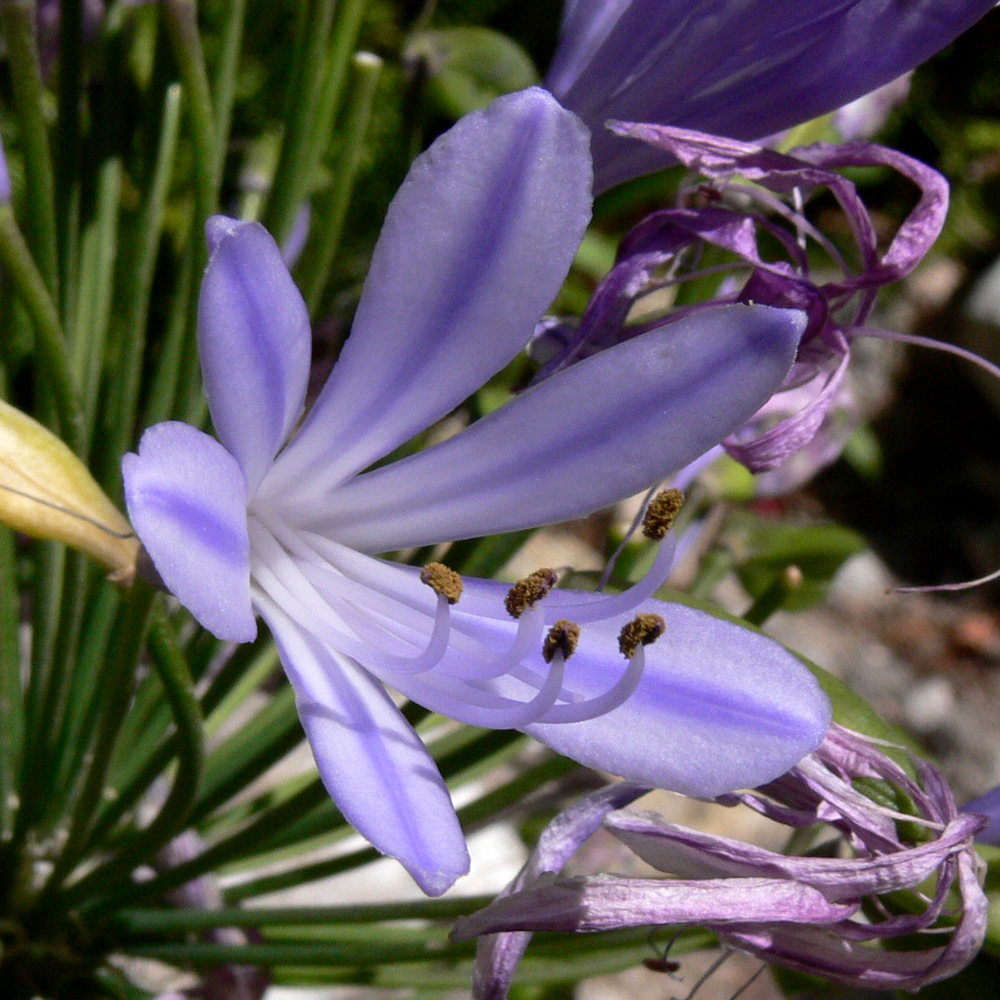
(442, 580)
(661, 512)
(644, 628)
(527, 592)
(563, 638)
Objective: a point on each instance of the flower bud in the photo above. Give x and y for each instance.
(47, 492)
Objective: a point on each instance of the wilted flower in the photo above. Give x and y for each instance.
(824, 913)
(745, 70)
(725, 213)
(283, 521)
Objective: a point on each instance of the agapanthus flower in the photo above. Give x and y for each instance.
(771, 247)
(279, 516)
(824, 913)
(747, 69)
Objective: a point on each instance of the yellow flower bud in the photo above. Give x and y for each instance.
(47, 492)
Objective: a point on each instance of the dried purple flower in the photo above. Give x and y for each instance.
(824, 915)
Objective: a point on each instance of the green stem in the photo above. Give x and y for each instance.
(327, 953)
(170, 921)
(17, 20)
(67, 148)
(136, 311)
(11, 703)
(189, 741)
(182, 27)
(295, 173)
(331, 211)
(225, 79)
(98, 256)
(30, 288)
(116, 685)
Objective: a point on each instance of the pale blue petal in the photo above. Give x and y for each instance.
(254, 343)
(187, 498)
(371, 761)
(719, 707)
(744, 70)
(475, 246)
(598, 431)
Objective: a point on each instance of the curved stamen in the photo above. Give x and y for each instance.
(657, 520)
(480, 707)
(610, 699)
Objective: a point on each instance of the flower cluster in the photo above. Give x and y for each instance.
(748, 223)
(887, 876)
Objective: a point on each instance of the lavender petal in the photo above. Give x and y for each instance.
(187, 499)
(639, 410)
(475, 246)
(254, 342)
(746, 70)
(371, 761)
(608, 902)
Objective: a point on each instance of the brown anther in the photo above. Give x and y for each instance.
(442, 580)
(644, 628)
(661, 512)
(527, 592)
(562, 638)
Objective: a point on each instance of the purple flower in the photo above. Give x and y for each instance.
(821, 914)
(723, 213)
(281, 519)
(746, 69)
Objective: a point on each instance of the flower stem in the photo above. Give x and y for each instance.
(30, 287)
(294, 172)
(331, 211)
(189, 741)
(17, 20)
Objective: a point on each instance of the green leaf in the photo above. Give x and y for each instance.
(765, 547)
(468, 67)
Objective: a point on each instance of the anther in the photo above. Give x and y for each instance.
(645, 629)
(660, 513)
(528, 592)
(443, 580)
(563, 638)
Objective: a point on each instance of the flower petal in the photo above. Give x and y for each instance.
(254, 342)
(475, 246)
(187, 499)
(719, 706)
(598, 431)
(371, 761)
(745, 70)
(611, 902)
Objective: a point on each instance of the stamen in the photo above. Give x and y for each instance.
(639, 633)
(661, 512)
(443, 580)
(563, 638)
(609, 606)
(644, 629)
(528, 592)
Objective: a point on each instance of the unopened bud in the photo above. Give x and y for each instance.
(47, 492)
